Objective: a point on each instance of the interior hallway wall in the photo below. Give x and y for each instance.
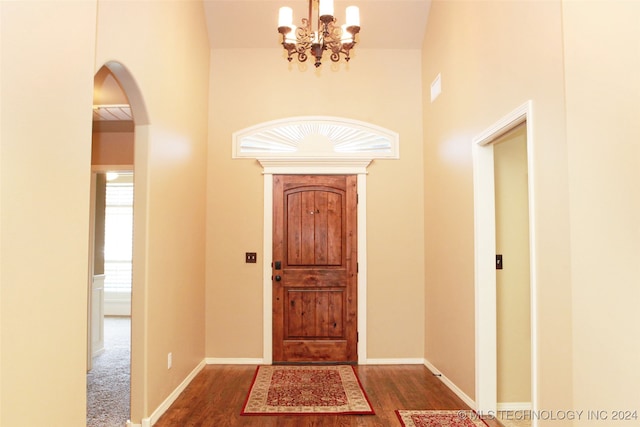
(164, 47)
(494, 56)
(47, 81)
(603, 108)
(46, 158)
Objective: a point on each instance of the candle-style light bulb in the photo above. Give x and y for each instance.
(326, 7)
(285, 17)
(353, 16)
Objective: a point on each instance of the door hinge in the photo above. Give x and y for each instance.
(357, 267)
(357, 336)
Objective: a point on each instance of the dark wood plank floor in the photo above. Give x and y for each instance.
(217, 394)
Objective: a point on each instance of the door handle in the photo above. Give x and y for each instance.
(278, 278)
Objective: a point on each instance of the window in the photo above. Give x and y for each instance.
(118, 245)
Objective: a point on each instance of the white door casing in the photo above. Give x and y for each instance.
(485, 251)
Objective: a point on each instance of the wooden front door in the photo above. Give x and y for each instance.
(314, 269)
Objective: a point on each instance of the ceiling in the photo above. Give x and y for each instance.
(386, 24)
(252, 24)
(111, 110)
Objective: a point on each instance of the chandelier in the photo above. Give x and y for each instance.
(328, 36)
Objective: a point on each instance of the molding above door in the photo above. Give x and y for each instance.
(315, 144)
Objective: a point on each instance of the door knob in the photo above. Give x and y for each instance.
(278, 278)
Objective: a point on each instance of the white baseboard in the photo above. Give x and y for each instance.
(514, 406)
(155, 416)
(394, 362)
(454, 388)
(233, 361)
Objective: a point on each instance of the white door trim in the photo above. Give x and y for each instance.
(485, 250)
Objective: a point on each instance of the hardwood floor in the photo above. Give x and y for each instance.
(216, 395)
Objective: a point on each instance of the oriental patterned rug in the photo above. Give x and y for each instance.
(455, 418)
(310, 390)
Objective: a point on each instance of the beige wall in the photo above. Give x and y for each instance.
(493, 56)
(45, 171)
(603, 108)
(512, 281)
(46, 148)
(253, 86)
(112, 148)
(168, 60)
(1, 211)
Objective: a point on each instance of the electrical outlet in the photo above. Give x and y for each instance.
(169, 360)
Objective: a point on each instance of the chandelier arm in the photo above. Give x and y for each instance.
(303, 40)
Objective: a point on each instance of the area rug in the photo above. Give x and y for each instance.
(300, 390)
(455, 418)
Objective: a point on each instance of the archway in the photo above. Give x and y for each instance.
(130, 117)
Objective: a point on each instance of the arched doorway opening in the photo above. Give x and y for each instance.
(117, 254)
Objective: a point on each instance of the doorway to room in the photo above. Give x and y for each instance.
(125, 134)
(314, 269)
(111, 255)
(491, 339)
(513, 293)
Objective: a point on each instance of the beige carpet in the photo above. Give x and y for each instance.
(108, 383)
